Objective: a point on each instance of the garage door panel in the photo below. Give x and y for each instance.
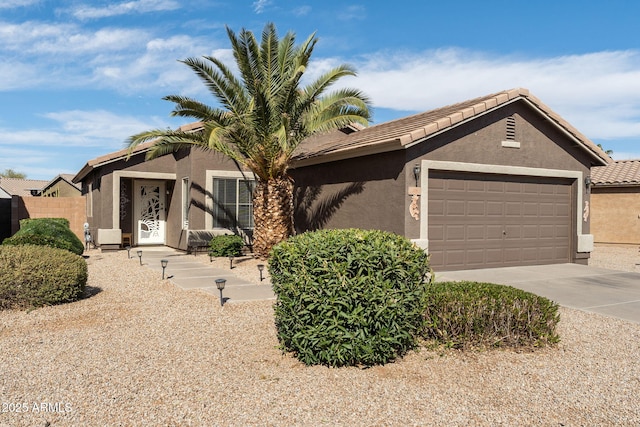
(455, 207)
(493, 221)
(476, 208)
(454, 233)
(476, 232)
(495, 208)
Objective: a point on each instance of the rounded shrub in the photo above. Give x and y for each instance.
(348, 297)
(33, 276)
(472, 314)
(226, 245)
(53, 232)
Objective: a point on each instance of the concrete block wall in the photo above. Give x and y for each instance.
(71, 208)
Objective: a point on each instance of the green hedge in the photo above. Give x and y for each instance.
(348, 297)
(53, 232)
(33, 276)
(226, 245)
(471, 314)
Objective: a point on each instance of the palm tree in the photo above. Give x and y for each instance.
(265, 114)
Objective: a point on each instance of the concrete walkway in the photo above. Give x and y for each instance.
(187, 272)
(609, 292)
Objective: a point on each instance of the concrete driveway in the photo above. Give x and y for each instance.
(609, 292)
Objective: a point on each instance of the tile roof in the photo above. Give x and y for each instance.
(21, 187)
(122, 154)
(393, 135)
(409, 130)
(618, 173)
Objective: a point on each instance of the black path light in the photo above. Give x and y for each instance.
(220, 285)
(140, 256)
(163, 263)
(128, 248)
(230, 262)
(260, 268)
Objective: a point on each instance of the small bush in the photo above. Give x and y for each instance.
(53, 232)
(348, 297)
(471, 314)
(226, 245)
(33, 276)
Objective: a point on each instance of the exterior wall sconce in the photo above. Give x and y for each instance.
(260, 268)
(163, 263)
(416, 173)
(587, 182)
(220, 285)
(140, 256)
(128, 248)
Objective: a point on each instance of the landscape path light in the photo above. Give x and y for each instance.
(230, 262)
(220, 285)
(140, 256)
(128, 248)
(260, 268)
(163, 263)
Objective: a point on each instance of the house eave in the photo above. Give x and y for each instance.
(349, 153)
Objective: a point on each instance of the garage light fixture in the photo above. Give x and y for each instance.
(416, 173)
(587, 182)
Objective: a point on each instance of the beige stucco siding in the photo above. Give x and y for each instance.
(615, 215)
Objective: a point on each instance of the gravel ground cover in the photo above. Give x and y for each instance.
(140, 352)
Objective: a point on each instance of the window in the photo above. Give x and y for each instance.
(232, 203)
(89, 199)
(186, 202)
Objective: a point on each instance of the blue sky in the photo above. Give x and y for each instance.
(77, 77)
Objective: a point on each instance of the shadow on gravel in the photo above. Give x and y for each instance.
(90, 291)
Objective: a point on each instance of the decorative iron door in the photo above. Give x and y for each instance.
(150, 214)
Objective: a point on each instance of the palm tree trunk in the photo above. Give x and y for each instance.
(272, 213)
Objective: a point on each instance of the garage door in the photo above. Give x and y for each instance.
(484, 221)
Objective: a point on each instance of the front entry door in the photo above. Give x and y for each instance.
(149, 212)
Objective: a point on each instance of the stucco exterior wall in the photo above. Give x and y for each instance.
(615, 215)
(364, 192)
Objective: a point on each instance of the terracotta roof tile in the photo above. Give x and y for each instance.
(412, 129)
(621, 172)
(21, 187)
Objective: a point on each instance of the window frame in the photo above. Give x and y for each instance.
(186, 201)
(217, 174)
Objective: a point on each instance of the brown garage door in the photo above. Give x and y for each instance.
(484, 221)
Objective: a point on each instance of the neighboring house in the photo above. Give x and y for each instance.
(22, 187)
(14, 187)
(25, 201)
(61, 186)
(615, 202)
(490, 182)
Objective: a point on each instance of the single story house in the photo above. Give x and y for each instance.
(499, 180)
(61, 186)
(615, 203)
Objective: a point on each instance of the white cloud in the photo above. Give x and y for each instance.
(301, 10)
(124, 8)
(77, 128)
(260, 5)
(353, 12)
(10, 4)
(598, 93)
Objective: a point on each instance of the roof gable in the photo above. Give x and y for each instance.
(407, 131)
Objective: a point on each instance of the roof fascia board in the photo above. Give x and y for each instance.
(344, 154)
